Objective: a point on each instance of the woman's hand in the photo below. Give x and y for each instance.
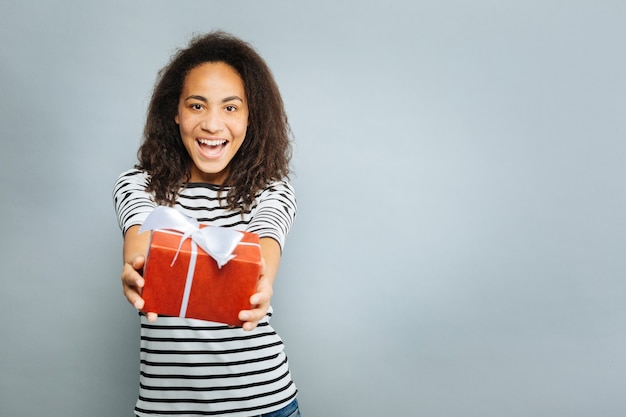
(132, 281)
(135, 246)
(260, 301)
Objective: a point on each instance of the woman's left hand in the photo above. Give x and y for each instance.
(260, 302)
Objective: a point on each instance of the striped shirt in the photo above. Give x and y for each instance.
(199, 368)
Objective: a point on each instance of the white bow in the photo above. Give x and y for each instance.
(218, 242)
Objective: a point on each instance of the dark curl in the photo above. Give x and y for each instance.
(264, 154)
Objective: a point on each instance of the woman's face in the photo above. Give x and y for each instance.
(213, 119)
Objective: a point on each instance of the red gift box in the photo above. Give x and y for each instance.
(174, 286)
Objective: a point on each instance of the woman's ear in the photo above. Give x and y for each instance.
(176, 119)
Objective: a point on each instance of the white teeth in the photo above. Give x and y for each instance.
(212, 142)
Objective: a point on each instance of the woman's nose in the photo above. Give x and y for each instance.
(212, 122)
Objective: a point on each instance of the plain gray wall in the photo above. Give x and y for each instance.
(460, 168)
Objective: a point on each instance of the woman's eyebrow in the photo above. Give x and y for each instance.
(205, 100)
(199, 98)
(232, 98)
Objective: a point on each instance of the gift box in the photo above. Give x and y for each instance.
(193, 271)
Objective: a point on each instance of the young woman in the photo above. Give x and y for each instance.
(217, 148)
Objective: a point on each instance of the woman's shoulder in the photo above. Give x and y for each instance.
(280, 191)
(132, 177)
(133, 174)
(278, 186)
(131, 181)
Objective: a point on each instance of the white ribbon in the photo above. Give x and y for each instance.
(218, 242)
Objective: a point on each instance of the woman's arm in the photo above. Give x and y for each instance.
(274, 216)
(270, 252)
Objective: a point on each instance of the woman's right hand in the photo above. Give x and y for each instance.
(135, 245)
(132, 281)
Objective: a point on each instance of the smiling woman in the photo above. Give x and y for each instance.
(215, 125)
(213, 119)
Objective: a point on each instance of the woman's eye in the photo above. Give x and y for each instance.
(196, 106)
(231, 108)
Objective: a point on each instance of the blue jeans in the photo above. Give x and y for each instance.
(291, 410)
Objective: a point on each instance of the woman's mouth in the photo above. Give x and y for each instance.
(212, 147)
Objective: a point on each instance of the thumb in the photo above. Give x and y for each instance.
(263, 267)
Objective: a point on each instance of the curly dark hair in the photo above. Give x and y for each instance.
(264, 154)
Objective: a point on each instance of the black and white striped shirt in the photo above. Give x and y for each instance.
(199, 368)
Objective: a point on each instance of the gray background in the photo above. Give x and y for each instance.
(460, 169)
